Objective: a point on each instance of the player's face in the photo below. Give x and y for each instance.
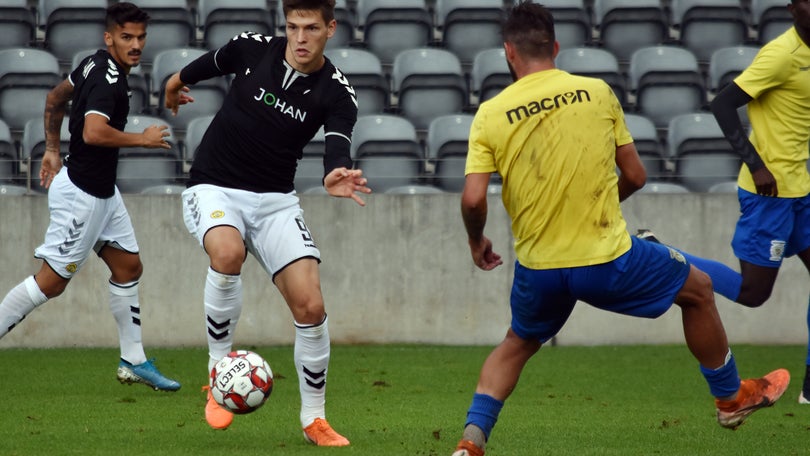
(125, 43)
(307, 33)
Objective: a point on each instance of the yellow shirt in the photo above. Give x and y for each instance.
(552, 137)
(778, 80)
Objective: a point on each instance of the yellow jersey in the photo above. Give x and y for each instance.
(552, 137)
(778, 80)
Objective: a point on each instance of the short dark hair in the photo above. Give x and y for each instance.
(326, 7)
(123, 12)
(530, 28)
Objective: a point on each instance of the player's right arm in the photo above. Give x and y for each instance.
(474, 215)
(724, 107)
(98, 132)
(55, 107)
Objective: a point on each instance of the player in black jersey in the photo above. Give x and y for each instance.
(240, 195)
(86, 209)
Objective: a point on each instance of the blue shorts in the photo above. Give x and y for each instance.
(771, 229)
(642, 283)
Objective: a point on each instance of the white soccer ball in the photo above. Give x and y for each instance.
(241, 381)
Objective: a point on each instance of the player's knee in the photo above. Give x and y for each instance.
(227, 261)
(753, 296)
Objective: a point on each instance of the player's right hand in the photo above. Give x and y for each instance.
(155, 137)
(765, 182)
(176, 94)
(483, 255)
(51, 164)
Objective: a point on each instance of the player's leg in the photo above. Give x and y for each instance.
(540, 305)
(28, 295)
(213, 216)
(299, 284)
(118, 248)
(804, 397)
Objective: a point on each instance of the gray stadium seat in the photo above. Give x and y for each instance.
(26, 77)
(726, 63)
(649, 146)
(17, 24)
(12, 190)
(428, 83)
(667, 81)
(572, 22)
(702, 155)
(391, 26)
(627, 25)
(708, 25)
(140, 168)
(208, 95)
(724, 187)
(221, 20)
(446, 147)
(596, 63)
(663, 187)
(33, 148)
(770, 18)
(171, 26)
(416, 189)
(9, 164)
(71, 25)
(365, 73)
(490, 74)
(469, 26)
(194, 134)
(387, 149)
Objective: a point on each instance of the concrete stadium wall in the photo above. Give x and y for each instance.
(396, 271)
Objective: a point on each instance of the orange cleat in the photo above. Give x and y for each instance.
(753, 395)
(321, 433)
(467, 448)
(217, 417)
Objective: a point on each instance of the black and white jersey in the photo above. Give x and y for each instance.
(99, 87)
(270, 113)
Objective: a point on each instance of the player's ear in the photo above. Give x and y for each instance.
(108, 39)
(330, 28)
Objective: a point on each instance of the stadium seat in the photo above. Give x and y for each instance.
(309, 172)
(12, 190)
(208, 94)
(446, 147)
(18, 25)
(708, 25)
(490, 74)
(597, 63)
(171, 26)
(702, 155)
(138, 85)
(9, 164)
(428, 82)
(572, 22)
(469, 26)
(663, 187)
(415, 189)
(70, 25)
(365, 73)
(164, 190)
(770, 19)
(33, 148)
(26, 77)
(387, 149)
(627, 25)
(724, 187)
(726, 63)
(649, 146)
(667, 81)
(194, 134)
(221, 20)
(140, 168)
(391, 26)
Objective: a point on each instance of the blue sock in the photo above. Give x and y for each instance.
(725, 280)
(484, 412)
(723, 381)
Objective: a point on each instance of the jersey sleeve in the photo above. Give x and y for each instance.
(339, 123)
(480, 155)
(769, 69)
(100, 81)
(243, 51)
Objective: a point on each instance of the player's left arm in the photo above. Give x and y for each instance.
(474, 215)
(632, 175)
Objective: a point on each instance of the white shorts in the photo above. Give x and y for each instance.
(81, 223)
(271, 224)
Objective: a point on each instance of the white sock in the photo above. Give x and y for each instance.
(223, 305)
(127, 312)
(311, 356)
(18, 303)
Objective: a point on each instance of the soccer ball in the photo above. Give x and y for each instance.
(241, 381)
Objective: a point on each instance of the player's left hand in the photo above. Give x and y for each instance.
(345, 183)
(51, 164)
(483, 255)
(176, 94)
